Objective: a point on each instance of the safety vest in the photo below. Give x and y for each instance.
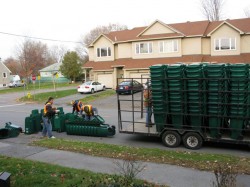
(78, 106)
(88, 109)
(45, 108)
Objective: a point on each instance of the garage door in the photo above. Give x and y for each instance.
(140, 77)
(106, 79)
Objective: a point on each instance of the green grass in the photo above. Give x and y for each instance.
(37, 174)
(99, 95)
(31, 87)
(42, 97)
(196, 160)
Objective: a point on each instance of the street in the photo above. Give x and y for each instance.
(14, 112)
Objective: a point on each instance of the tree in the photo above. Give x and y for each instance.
(13, 65)
(94, 33)
(212, 9)
(32, 56)
(247, 11)
(71, 66)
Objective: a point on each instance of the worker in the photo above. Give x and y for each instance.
(48, 113)
(147, 93)
(77, 105)
(89, 112)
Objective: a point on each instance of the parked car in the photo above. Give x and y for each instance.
(16, 84)
(129, 87)
(90, 87)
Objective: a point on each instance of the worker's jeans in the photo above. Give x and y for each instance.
(148, 115)
(47, 127)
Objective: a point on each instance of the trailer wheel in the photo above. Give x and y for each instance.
(171, 139)
(192, 140)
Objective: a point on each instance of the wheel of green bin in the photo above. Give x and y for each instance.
(171, 139)
(192, 140)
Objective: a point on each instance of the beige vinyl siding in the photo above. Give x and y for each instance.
(124, 50)
(205, 46)
(245, 44)
(225, 31)
(156, 51)
(103, 42)
(91, 54)
(157, 28)
(191, 46)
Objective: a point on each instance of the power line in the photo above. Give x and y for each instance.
(38, 38)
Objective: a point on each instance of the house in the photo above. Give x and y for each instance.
(4, 75)
(130, 53)
(51, 72)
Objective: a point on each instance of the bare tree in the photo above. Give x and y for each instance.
(57, 53)
(32, 56)
(94, 33)
(247, 11)
(13, 65)
(212, 9)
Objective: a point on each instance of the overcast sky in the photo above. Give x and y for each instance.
(69, 20)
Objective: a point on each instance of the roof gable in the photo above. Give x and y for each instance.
(100, 36)
(224, 23)
(158, 27)
(5, 67)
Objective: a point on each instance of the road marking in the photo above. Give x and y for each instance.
(12, 105)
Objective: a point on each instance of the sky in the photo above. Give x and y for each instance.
(71, 20)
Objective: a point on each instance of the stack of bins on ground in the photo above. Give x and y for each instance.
(239, 75)
(157, 74)
(33, 122)
(59, 121)
(175, 95)
(76, 125)
(195, 95)
(216, 97)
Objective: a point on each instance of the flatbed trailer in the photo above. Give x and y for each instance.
(227, 120)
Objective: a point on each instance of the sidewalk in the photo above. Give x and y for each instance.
(173, 176)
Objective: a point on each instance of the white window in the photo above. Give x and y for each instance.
(103, 52)
(225, 44)
(168, 46)
(144, 48)
(4, 75)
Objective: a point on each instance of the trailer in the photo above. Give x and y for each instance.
(192, 104)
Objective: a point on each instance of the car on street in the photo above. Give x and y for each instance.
(90, 87)
(17, 83)
(129, 87)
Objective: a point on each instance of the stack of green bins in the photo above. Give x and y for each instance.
(175, 97)
(157, 74)
(239, 75)
(33, 122)
(195, 95)
(216, 97)
(36, 119)
(59, 120)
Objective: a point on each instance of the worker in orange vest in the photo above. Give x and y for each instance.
(89, 112)
(48, 113)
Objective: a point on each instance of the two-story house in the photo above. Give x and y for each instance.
(130, 53)
(5, 73)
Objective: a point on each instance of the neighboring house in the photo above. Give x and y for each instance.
(130, 53)
(48, 73)
(4, 75)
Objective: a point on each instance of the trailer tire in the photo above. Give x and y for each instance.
(171, 139)
(192, 140)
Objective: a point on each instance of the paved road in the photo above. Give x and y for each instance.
(159, 173)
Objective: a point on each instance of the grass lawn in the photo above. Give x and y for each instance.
(201, 161)
(36, 86)
(29, 173)
(41, 97)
